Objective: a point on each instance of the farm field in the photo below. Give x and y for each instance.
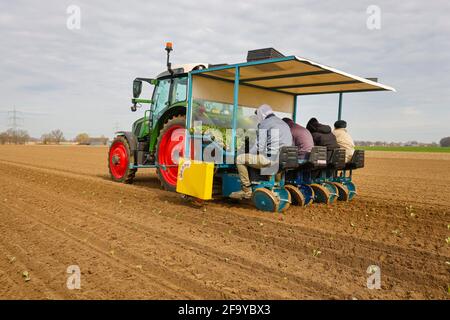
(59, 208)
(407, 149)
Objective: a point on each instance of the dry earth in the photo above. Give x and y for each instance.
(59, 208)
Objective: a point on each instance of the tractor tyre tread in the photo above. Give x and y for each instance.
(130, 173)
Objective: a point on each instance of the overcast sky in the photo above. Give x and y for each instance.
(80, 80)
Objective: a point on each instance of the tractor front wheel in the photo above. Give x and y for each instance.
(119, 159)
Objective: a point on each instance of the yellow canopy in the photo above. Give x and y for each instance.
(294, 75)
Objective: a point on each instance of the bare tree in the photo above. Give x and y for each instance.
(12, 136)
(21, 137)
(46, 138)
(57, 136)
(4, 138)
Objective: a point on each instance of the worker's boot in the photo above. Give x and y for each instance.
(245, 193)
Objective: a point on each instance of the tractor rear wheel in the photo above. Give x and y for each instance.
(119, 159)
(169, 149)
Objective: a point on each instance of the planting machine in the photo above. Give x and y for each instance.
(200, 116)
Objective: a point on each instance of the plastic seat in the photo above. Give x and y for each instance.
(288, 158)
(317, 158)
(336, 159)
(357, 160)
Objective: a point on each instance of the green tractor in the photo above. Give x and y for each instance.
(151, 143)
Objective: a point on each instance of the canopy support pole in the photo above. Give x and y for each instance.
(187, 146)
(294, 114)
(340, 107)
(235, 111)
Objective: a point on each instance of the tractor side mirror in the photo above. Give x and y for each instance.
(137, 88)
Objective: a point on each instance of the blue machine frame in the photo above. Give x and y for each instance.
(230, 180)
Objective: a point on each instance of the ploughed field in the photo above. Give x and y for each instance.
(58, 208)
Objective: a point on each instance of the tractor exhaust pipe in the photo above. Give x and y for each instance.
(169, 48)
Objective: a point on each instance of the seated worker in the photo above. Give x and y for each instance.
(344, 139)
(303, 139)
(322, 134)
(272, 134)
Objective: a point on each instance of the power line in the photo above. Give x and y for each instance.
(14, 119)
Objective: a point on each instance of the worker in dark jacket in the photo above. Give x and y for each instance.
(322, 134)
(302, 138)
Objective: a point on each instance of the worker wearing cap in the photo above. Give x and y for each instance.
(344, 139)
(272, 134)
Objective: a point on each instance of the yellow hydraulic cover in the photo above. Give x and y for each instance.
(195, 178)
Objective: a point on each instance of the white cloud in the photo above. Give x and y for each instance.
(410, 111)
(82, 79)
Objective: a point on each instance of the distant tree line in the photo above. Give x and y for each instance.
(14, 136)
(18, 136)
(445, 142)
(53, 137)
(85, 139)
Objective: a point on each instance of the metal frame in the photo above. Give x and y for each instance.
(187, 146)
(245, 82)
(340, 106)
(244, 64)
(236, 82)
(235, 110)
(294, 113)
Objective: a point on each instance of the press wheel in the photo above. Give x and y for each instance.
(297, 196)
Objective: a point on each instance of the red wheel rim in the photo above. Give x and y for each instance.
(118, 160)
(171, 149)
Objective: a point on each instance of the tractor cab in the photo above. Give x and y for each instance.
(168, 101)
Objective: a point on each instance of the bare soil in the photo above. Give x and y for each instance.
(58, 208)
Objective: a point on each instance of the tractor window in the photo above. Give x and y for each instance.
(179, 92)
(161, 96)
